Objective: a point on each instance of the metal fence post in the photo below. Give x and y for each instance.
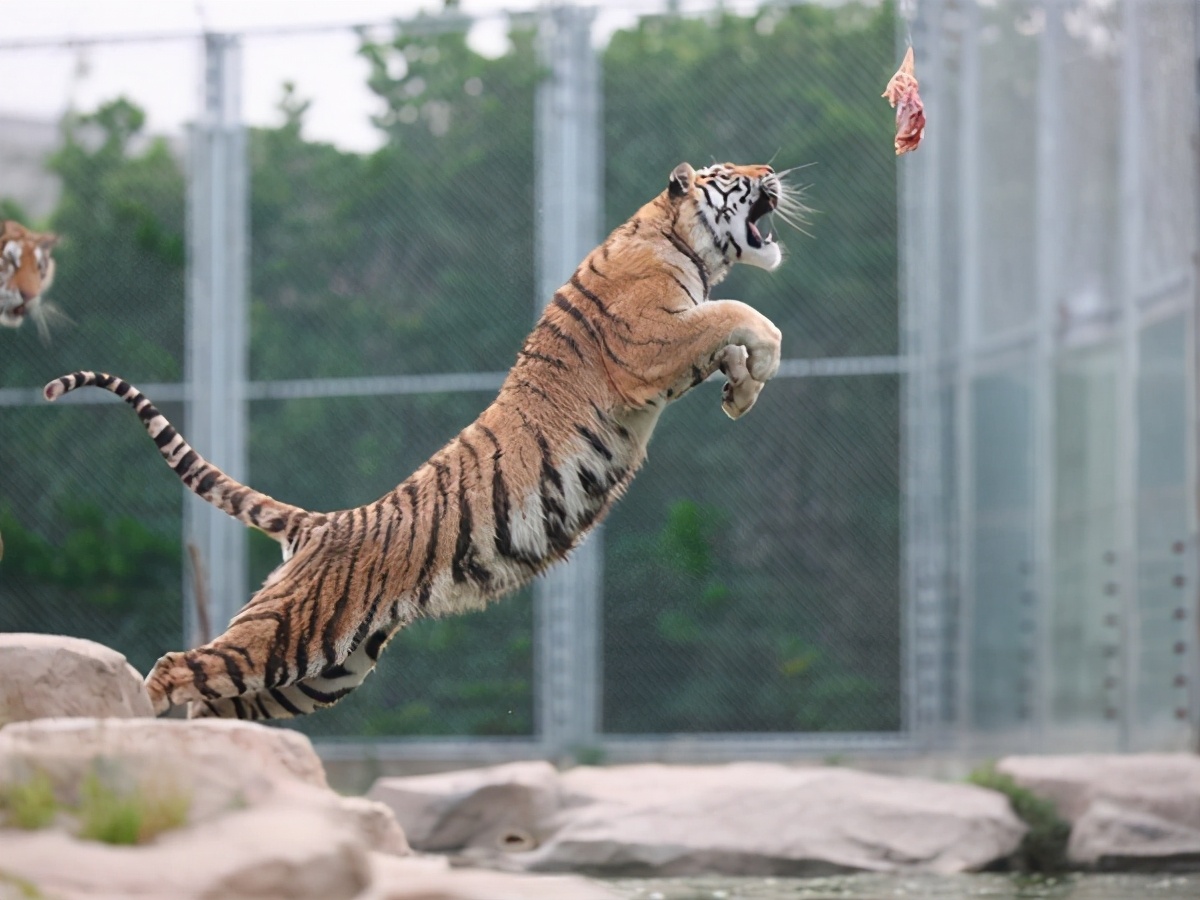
(1045, 463)
(1129, 162)
(567, 600)
(970, 179)
(924, 496)
(216, 328)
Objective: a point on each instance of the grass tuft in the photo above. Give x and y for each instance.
(131, 818)
(30, 804)
(1044, 847)
(26, 889)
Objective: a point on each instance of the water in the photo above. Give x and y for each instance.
(925, 887)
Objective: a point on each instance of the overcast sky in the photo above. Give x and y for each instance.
(163, 76)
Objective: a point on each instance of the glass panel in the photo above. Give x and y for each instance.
(1087, 171)
(1001, 647)
(1166, 628)
(1087, 602)
(1008, 72)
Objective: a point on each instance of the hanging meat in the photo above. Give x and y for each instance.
(910, 112)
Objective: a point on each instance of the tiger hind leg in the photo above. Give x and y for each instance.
(190, 677)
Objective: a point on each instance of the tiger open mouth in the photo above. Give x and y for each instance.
(765, 203)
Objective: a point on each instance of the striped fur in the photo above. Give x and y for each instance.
(631, 331)
(26, 272)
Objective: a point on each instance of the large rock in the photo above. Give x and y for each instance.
(1124, 809)
(741, 819)
(222, 768)
(219, 763)
(506, 807)
(287, 850)
(43, 676)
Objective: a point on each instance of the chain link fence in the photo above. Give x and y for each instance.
(750, 579)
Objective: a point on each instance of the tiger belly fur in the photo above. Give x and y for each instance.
(631, 331)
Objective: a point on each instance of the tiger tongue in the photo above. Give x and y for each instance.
(753, 235)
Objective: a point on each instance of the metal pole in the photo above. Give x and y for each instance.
(216, 323)
(1049, 248)
(964, 408)
(1193, 351)
(568, 599)
(925, 512)
(1129, 163)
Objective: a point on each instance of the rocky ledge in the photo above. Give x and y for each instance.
(121, 805)
(739, 819)
(98, 799)
(1126, 811)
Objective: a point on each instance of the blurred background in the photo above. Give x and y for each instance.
(963, 518)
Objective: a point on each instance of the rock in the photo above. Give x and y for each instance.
(220, 767)
(43, 676)
(1111, 836)
(285, 851)
(741, 819)
(1124, 809)
(220, 763)
(262, 823)
(500, 808)
(432, 878)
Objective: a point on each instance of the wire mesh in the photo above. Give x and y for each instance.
(751, 571)
(417, 259)
(90, 519)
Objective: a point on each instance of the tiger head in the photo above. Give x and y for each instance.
(26, 271)
(718, 211)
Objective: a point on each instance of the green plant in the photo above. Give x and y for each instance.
(588, 755)
(165, 810)
(30, 804)
(26, 889)
(128, 818)
(1044, 847)
(106, 815)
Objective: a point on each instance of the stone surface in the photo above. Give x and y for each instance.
(741, 819)
(281, 851)
(222, 767)
(43, 675)
(432, 878)
(1124, 809)
(503, 807)
(219, 763)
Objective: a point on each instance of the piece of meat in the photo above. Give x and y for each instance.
(910, 112)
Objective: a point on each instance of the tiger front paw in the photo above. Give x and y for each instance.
(763, 349)
(741, 390)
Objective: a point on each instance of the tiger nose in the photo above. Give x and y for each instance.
(27, 295)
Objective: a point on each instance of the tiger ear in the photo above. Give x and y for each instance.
(680, 182)
(47, 241)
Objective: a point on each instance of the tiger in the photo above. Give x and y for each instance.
(26, 273)
(632, 331)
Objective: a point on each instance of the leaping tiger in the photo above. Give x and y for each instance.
(632, 330)
(26, 272)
